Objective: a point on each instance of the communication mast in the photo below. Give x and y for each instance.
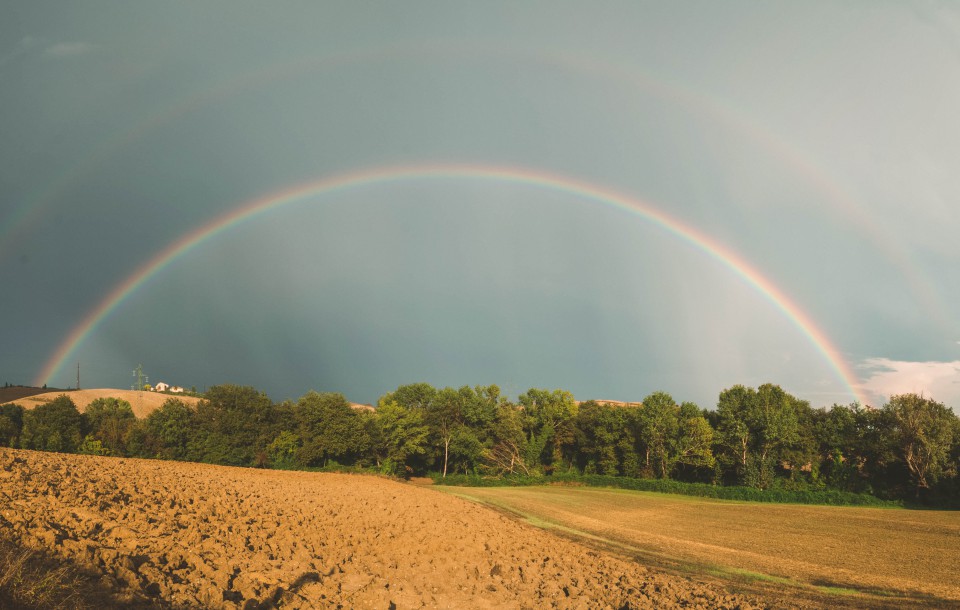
(78, 375)
(141, 381)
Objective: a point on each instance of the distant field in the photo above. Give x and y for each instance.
(142, 403)
(16, 392)
(863, 556)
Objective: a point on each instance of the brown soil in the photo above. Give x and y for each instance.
(142, 403)
(192, 535)
(16, 392)
(863, 556)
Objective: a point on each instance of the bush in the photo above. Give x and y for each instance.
(702, 490)
(11, 425)
(54, 426)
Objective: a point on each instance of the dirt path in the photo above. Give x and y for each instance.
(898, 556)
(218, 537)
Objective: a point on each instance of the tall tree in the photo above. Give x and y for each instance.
(659, 424)
(11, 425)
(445, 415)
(924, 432)
(165, 433)
(756, 428)
(692, 447)
(599, 431)
(411, 396)
(400, 434)
(846, 456)
(54, 426)
(548, 424)
(110, 421)
(234, 426)
(329, 429)
(507, 451)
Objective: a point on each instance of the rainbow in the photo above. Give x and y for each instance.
(381, 175)
(608, 72)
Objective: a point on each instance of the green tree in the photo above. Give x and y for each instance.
(110, 421)
(691, 448)
(93, 446)
(839, 436)
(411, 396)
(548, 425)
(54, 426)
(481, 409)
(755, 431)
(445, 416)
(282, 451)
(658, 427)
(466, 450)
(11, 425)
(166, 433)
(924, 431)
(329, 430)
(234, 426)
(401, 434)
(599, 430)
(507, 450)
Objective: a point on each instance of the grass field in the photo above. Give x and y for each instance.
(857, 556)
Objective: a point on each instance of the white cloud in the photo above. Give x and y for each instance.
(68, 49)
(937, 380)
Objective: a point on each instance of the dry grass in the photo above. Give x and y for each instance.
(879, 556)
(142, 403)
(29, 579)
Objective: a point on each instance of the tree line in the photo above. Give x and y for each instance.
(761, 437)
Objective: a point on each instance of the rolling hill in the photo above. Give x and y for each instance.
(143, 403)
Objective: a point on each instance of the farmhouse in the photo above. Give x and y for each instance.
(612, 403)
(166, 387)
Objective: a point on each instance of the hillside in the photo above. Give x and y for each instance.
(143, 403)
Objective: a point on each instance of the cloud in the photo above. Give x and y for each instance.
(937, 380)
(68, 49)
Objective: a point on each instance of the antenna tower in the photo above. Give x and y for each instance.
(78, 375)
(141, 380)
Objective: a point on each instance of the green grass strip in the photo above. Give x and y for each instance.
(827, 497)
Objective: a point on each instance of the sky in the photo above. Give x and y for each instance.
(609, 198)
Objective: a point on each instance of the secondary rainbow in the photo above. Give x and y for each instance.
(921, 286)
(380, 175)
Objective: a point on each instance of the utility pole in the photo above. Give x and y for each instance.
(78, 375)
(141, 380)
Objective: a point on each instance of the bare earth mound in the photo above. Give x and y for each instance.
(192, 535)
(142, 403)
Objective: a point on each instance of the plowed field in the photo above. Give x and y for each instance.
(189, 535)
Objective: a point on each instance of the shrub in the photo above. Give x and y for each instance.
(54, 426)
(702, 490)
